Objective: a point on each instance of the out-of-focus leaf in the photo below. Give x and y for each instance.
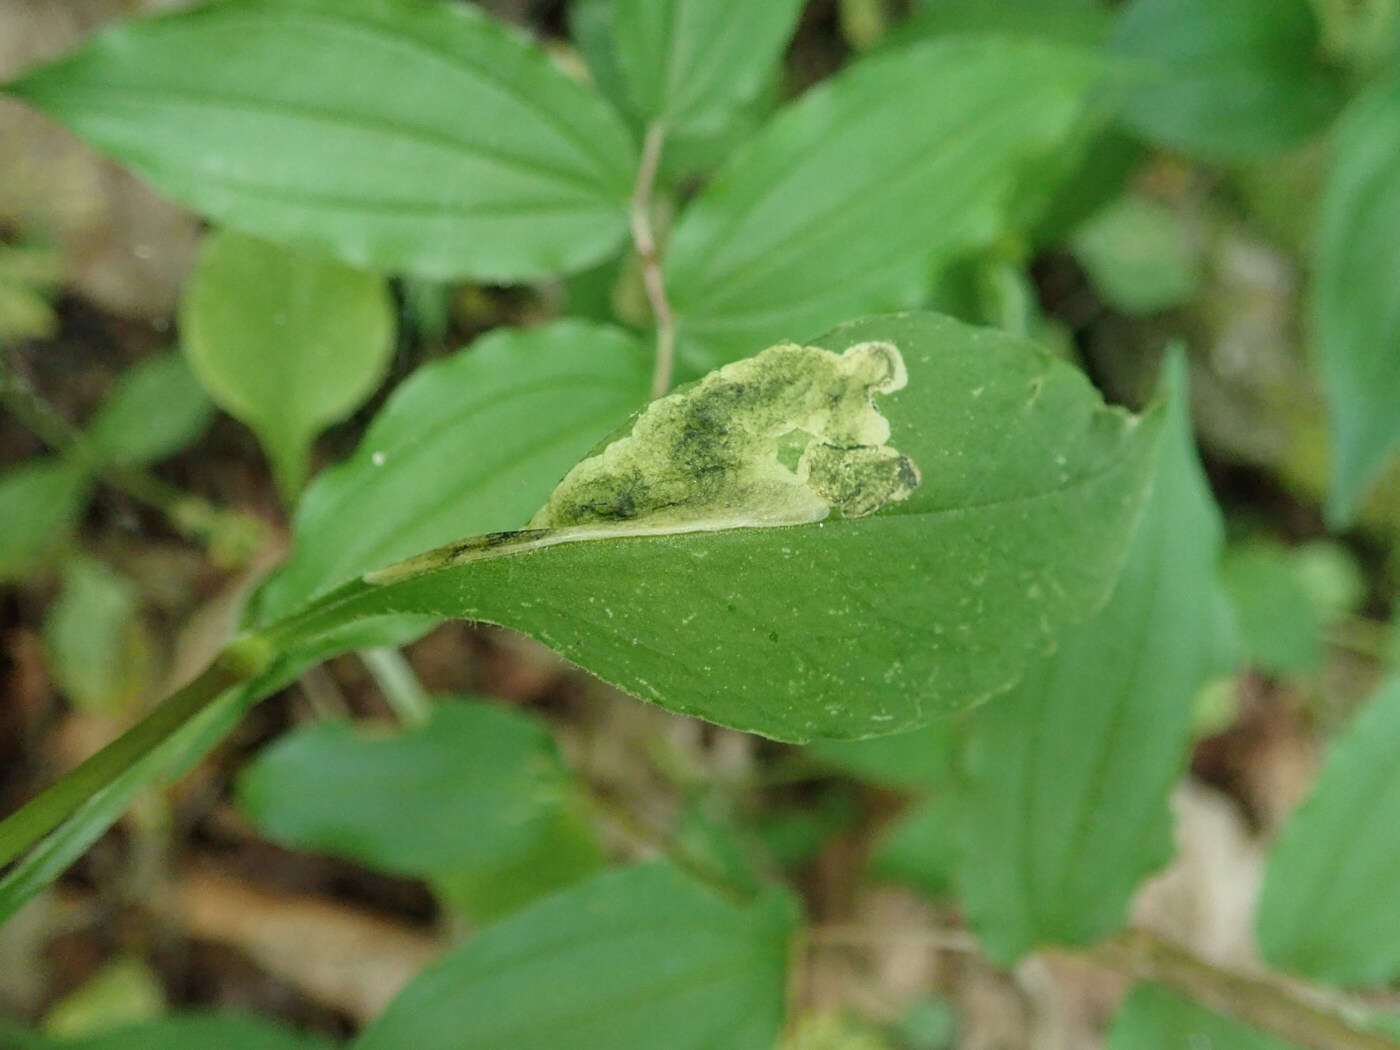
(28, 275)
(853, 626)
(929, 1024)
(39, 504)
(1225, 79)
(919, 848)
(471, 444)
(630, 960)
(1062, 803)
(124, 992)
(561, 851)
(98, 651)
(284, 342)
(919, 759)
(456, 148)
(1153, 1018)
(691, 63)
(1356, 298)
(485, 787)
(841, 205)
(1280, 624)
(1138, 256)
(1080, 22)
(831, 1031)
(1329, 909)
(207, 1032)
(153, 411)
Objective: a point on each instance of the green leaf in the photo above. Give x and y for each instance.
(691, 63)
(153, 411)
(470, 444)
(1078, 22)
(1062, 806)
(563, 850)
(919, 759)
(39, 503)
(1355, 298)
(29, 274)
(205, 1031)
(630, 960)
(284, 342)
(97, 649)
(1153, 1018)
(1329, 909)
(1225, 79)
(841, 205)
(1138, 256)
(1280, 625)
(852, 626)
(391, 134)
(919, 848)
(343, 789)
(123, 992)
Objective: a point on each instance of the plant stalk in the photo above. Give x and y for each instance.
(243, 660)
(644, 238)
(400, 686)
(1267, 1003)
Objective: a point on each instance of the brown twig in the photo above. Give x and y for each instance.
(644, 238)
(1266, 1002)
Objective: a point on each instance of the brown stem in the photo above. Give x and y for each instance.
(1268, 1003)
(644, 238)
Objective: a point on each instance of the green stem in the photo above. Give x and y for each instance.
(243, 660)
(400, 686)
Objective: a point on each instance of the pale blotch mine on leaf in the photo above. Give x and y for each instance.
(780, 438)
(708, 456)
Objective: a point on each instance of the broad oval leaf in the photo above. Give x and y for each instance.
(486, 784)
(470, 444)
(284, 342)
(153, 411)
(629, 960)
(392, 134)
(1063, 803)
(850, 626)
(691, 63)
(1329, 909)
(1225, 79)
(839, 207)
(1356, 297)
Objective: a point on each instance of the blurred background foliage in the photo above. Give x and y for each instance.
(1240, 149)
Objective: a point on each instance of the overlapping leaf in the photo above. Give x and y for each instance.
(1356, 298)
(454, 149)
(1062, 808)
(840, 205)
(853, 626)
(630, 960)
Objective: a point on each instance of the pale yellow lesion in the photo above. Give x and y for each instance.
(781, 438)
(713, 455)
